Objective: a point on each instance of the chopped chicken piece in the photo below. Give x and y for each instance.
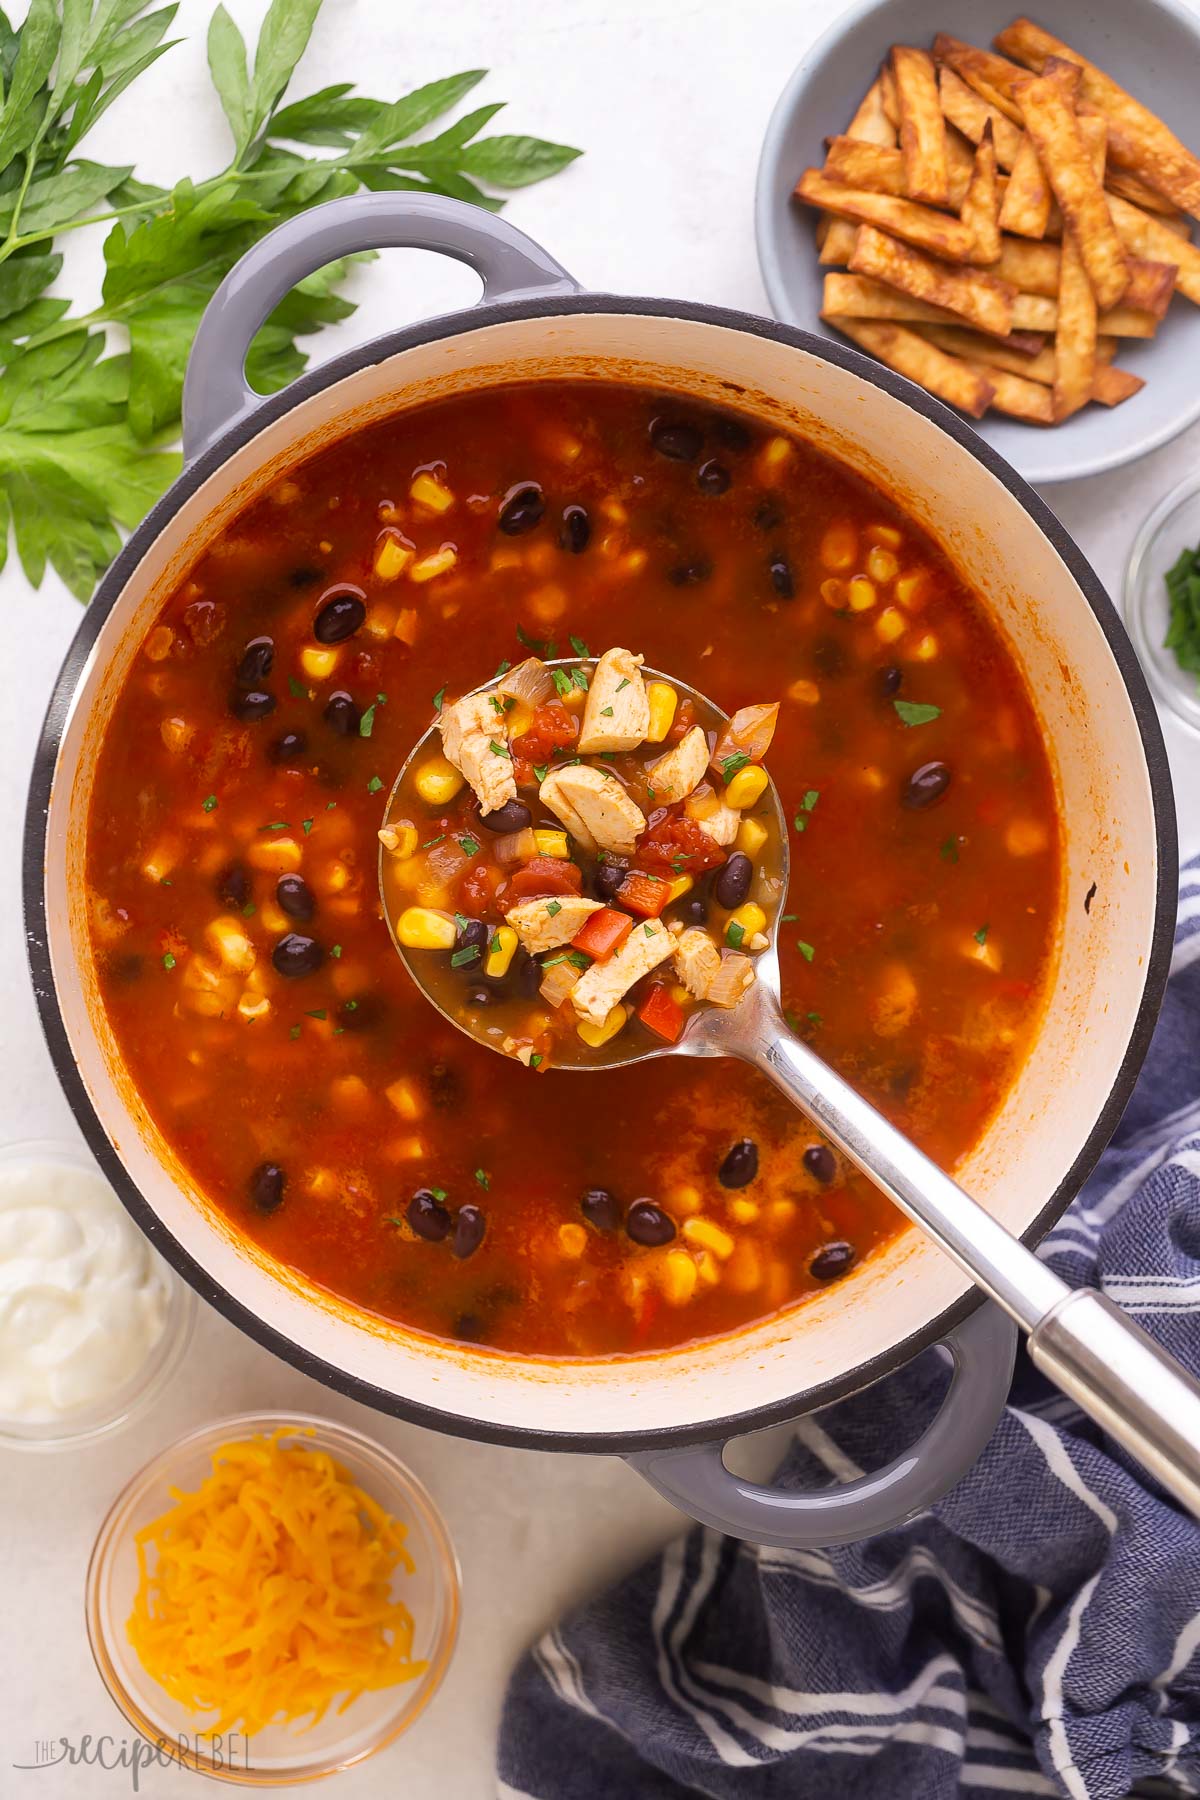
(470, 728)
(722, 824)
(546, 923)
(734, 978)
(674, 775)
(594, 807)
(697, 960)
(647, 945)
(617, 714)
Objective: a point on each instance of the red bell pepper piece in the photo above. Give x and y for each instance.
(662, 1014)
(603, 933)
(643, 894)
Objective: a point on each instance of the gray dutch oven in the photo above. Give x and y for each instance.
(669, 1413)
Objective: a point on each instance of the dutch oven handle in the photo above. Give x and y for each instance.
(216, 392)
(696, 1480)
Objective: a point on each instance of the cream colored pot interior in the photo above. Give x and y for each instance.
(1106, 798)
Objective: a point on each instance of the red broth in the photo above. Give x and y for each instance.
(312, 1093)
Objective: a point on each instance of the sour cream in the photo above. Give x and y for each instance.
(83, 1299)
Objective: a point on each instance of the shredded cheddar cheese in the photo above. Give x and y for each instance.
(266, 1595)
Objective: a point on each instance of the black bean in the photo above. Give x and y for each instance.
(341, 712)
(469, 1228)
(608, 877)
(522, 509)
(233, 886)
(695, 910)
(733, 880)
(288, 748)
(832, 1261)
(295, 897)
(248, 707)
(740, 1166)
(256, 662)
(576, 530)
(732, 432)
(829, 657)
(675, 440)
(472, 935)
(600, 1209)
(305, 576)
(889, 680)
(780, 571)
(266, 1187)
(820, 1162)
(427, 1216)
(713, 477)
(526, 973)
(339, 615)
(445, 1088)
(514, 815)
(126, 968)
(296, 955)
(468, 1328)
(648, 1224)
(690, 574)
(767, 515)
(479, 996)
(925, 785)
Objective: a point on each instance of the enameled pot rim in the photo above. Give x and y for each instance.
(108, 593)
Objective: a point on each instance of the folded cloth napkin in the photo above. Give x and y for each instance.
(1037, 1632)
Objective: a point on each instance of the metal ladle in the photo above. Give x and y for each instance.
(1077, 1337)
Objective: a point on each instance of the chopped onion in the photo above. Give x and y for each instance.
(727, 986)
(748, 733)
(559, 981)
(530, 682)
(515, 846)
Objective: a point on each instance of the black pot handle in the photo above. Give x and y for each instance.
(215, 391)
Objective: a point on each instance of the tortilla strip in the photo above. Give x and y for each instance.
(1137, 139)
(1075, 334)
(922, 127)
(909, 354)
(981, 203)
(963, 108)
(960, 161)
(1031, 267)
(838, 246)
(1027, 199)
(960, 340)
(1033, 312)
(1132, 187)
(976, 297)
(990, 75)
(1127, 321)
(860, 297)
(1111, 386)
(887, 94)
(1153, 238)
(873, 166)
(1013, 394)
(920, 225)
(1151, 285)
(870, 123)
(1052, 124)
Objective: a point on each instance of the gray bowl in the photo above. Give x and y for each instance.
(1152, 48)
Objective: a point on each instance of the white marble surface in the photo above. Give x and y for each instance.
(669, 98)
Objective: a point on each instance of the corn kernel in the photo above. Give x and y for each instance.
(393, 553)
(773, 455)
(986, 955)
(350, 1092)
(676, 889)
(804, 693)
(572, 1240)
(420, 928)
(892, 1008)
(680, 995)
(158, 645)
(927, 648)
(409, 1149)
(274, 852)
(175, 734)
(749, 918)
(872, 778)
(234, 949)
(162, 859)
(683, 1198)
(322, 1184)
(253, 1007)
(551, 843)
(575, 701)
(885, 534)
(743, 1211)
(399, 840)
(408, 624)
(861, 594)
(751, 837)
(319, 660)
(595, 1035)
(839, 548)
(1025, 837)
(708, 1269)
(910, 587)
(891, 624)
(780, 1214)
(501, 951)
(679, 1277)
(519, 719)
(747, 787)
(428, 492)
(706, 1234)
(380, 623)
(272, 917)
(335, 877)
(614, 510)
(438, 562)
(548, 604)
(744, 1272)
(663, 704)
(438, 781)
(833, 593)
(881, 564)
(406, 1097)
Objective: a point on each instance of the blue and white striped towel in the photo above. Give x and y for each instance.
(1037, 1633)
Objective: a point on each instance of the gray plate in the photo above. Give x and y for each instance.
(1152, 48)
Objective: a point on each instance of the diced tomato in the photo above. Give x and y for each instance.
(681, 724)
(543, 875)
(603, 933)
(477, 888)
(677, 845)
(645, 895)
(551, 728)
(662, 1015)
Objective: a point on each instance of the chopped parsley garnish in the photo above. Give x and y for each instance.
(731, 764)
(552, 962)
(461, 920)
(381, 699)
(483, 1178)
(535, 1061)
(297, 688)
(210, 803)
(578, 646)
(579, 680)
(329, 805)
(562, 681)
(503, 669)
(541, 770)
(294, 1033)
(366, 724)
(649, 929)
(165, 881)
(981, 935)
(623, 683)
(249, 910)
(495, 703)
(317, 1013)
(438, 698)
(1183, 597)
(579, 959)
(336, 951)
(950, 850)
(438, 1193)
(469, 845)
(735, 934)
(539, 646)
(553, 908)
(914, 712)
(430, 842)
(806, 950)
(350, 1006)
(814, 1018)
(606, 712)
(468, 954)
(168, 961)
(806, 806)
(374, 785)
(308, 824)
(277, 825)
(789, 918)
(498, 749)
(494, 946)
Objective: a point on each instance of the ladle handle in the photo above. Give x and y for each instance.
(1108, 1365)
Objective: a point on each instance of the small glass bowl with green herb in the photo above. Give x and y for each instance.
(1162, 601)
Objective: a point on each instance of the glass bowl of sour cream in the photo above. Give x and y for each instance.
(93, 1323)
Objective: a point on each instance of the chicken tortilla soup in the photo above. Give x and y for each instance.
(245, 963)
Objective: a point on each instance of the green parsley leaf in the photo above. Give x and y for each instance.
(814, 1018)
(277, 825)
(329, 805)
(297, 688)
(483, 1178)
(535, 1061)
(949, 851)
(734, 934)
(438, 1193)
(541, 770)
(623, 683)
(981, 935)
(468, 954)
(578, 646)
(579, 959)
(308, 823)
(731, 764)
(806, 950)
(499, 749)
(913, 712)
(553, 908)
(317, 1013)
(350, 1006)
(562, 681)
(789, 918)
(579, 680)
(469, 845)
(294, 1033)
(438, 698)
(336, 950)
(537, 645)
(168, 961)
(430, 842)
(503, 669)
(606, 712)
(210, 804)
(374, 785)
(249, 910)
(366, 724)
